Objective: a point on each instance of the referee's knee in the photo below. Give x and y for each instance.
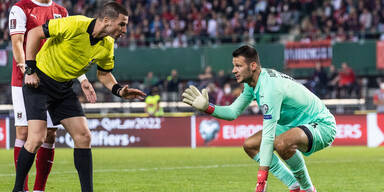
(83, 139)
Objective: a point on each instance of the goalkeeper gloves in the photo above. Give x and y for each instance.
(262, 177)
(197, 100)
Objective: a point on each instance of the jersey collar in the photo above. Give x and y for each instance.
(90, 29)
(42, 4)
(261, 75)
(256, 90)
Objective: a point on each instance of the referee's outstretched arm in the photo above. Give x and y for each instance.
(109, 81)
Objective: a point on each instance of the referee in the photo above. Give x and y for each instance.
(74, 44)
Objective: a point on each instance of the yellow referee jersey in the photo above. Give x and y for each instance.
(71, 50)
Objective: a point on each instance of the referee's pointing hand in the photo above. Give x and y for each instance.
(32, 80)
(128, 93)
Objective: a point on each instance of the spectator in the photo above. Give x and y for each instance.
(347, 81)
(366, 19)
(152, 102)
(180, 40)
(149, 82)
(216, 92)
(212, 28)
(333, 79)
(378, 98)
(158, 41)
(320, 80)
(221, 78)
(228, 97)
(172, 85)
(206, 77)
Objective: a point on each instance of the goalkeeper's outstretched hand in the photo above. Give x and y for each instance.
(194, 98)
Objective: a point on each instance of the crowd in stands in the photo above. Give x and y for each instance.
(181, 23)
(326, 82)
(332, 83)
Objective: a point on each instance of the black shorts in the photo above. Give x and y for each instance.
(56, 97)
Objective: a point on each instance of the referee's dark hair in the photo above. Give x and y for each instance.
(249, 53)
(112, 9)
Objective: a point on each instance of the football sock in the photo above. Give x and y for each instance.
(24, 164)
(279, 170)
(297, 165)
(18, 145)
(83, 164)
(44, 161)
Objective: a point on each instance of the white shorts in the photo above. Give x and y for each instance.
(19, 109)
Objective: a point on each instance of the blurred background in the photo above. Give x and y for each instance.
(333, 47)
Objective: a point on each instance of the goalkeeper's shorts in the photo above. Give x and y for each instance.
(320, 134)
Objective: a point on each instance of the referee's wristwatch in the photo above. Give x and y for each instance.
(29, 70)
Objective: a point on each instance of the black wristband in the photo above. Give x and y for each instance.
(31, 64)
(116, 88)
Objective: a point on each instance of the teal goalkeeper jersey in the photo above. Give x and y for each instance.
(285, 104)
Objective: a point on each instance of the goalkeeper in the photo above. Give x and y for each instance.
(295, 121)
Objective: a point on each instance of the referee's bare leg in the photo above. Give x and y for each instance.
(77, 127)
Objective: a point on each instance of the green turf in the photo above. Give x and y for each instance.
(336, 169)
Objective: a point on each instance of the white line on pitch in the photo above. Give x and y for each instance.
(145, 169)
(190, 167)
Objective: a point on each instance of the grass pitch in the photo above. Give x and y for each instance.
(335, 169)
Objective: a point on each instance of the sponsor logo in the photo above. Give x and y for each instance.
(33, 16)
(19, 115)
(314, 125)
(240, 131)
(264, 108)
(209, 129)
(103, 138)
(267, 116)
(119, 124)
(352, 131)
(12, 24)
(56, 16)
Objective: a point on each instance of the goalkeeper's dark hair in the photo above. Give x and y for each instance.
(249, 53)
(112, 10)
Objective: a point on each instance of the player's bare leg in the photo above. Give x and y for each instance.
(277, 167)
(78, 129)
(288, 145)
